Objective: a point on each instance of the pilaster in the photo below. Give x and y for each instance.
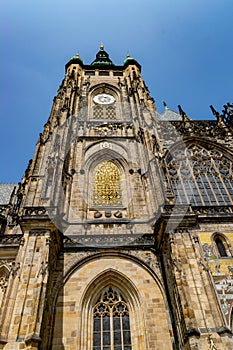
(27, 287)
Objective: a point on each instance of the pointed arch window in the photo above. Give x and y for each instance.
(111, 323)
(107, 185)
(201, 176)
(104, 104)
(4, 277)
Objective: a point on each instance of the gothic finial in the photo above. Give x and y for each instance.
(180, 110)
(182, 113)
(215, 113)
(165, 105)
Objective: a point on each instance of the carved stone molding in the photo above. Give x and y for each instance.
(11, 239)
(204, 128)
(208, 210)
(181, 230)
(176, 209)
(39, 211)
(38, 232)
(34, 211)
(198, 210)
(95, 127)
(109, 240)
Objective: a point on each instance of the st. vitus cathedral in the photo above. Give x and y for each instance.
(120, 235)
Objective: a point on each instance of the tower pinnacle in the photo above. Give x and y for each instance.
(102, 58)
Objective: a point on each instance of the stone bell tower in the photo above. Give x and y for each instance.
(100, 244)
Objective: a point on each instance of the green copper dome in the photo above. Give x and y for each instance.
(102, 58)
(130, 60)
(76, 57)
(74, 60)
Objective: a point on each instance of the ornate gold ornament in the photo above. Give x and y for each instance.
(107, 191)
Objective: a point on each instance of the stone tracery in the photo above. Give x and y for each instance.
(111, 322)
(201, 176)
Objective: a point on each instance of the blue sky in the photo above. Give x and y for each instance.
(184, 47)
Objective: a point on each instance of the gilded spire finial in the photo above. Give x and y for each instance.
(101, 46)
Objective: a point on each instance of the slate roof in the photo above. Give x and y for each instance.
(169, 115)
(5, 192)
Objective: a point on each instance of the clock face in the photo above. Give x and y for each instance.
(104, 99)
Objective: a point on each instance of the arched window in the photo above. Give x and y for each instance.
(111, 324)
(201, 176)
(106, 185)
(4, 276)
(104, 103)
(221, 247)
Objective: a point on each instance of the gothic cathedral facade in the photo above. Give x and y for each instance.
(120, 235)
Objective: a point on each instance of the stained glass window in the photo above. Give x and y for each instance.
(201, 176)
(111, 324)
(107, 189)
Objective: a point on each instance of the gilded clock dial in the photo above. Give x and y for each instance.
(104, 99)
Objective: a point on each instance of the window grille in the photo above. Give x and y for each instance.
(104, 112)
(106, 185)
